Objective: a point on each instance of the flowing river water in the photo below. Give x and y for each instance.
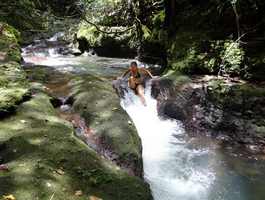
(176, 167)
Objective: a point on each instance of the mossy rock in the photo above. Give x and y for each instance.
(108, 45)
(98, 103)
(176, 77)
(245, 99)
(10, 33)
(45, 159)
(9, 47)
(14, 87)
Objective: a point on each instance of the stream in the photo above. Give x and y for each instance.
(176, 167)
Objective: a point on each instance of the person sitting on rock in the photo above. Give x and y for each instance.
(136, 80)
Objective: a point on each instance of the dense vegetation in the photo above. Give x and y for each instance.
(223, 38)
(212, 37)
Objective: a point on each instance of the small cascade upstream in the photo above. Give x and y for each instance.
(169, 166)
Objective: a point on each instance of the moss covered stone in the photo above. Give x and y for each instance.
(97, 102)
(45, 159)
(13, 83)
(109, 45)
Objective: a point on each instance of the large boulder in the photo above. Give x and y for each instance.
(226, 110)
(45, 159)
(96, 101)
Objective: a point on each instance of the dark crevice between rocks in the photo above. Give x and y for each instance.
(12, 109)
(100, 144)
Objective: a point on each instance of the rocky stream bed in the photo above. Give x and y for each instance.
(57, 96)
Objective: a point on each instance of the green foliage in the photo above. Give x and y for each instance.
(159, 18)
(9, 43)
(92, 35)
(209, 57)
(233, 57)
(105, 12)
(22, 14)
(11, 33)
(146, 32)
(204, 34)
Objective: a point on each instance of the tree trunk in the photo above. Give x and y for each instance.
(170, 18)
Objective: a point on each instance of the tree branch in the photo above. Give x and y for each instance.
(103, 31)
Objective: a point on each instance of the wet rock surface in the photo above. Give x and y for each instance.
(230, 111)
(96, 101)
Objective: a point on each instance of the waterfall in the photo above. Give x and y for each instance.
(170, 167)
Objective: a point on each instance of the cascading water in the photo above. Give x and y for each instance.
(177, 167)
(168, 164)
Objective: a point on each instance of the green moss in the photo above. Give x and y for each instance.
(251, 90)
(242, 98)
(45, 158)
(21, 14)
(9, 43)
(99, 105)
(10, 33)
(207, 57)
(243, 89)
(108, 45)
(13, 83)
(92, 35)
(177, 77)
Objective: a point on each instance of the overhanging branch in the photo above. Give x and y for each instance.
(103, 31)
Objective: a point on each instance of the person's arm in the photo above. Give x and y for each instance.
(125, 73)
(147, 72)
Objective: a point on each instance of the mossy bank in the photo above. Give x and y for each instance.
(44, 158)
(13, 84)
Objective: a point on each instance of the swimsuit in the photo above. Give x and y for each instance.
(137, 80)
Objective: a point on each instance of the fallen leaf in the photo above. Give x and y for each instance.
(78, 193)
(9, 197)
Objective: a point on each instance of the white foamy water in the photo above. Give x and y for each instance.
(177, 168)
(173, 171)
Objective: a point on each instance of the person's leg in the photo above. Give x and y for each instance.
(140, 92)
(132, 83)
